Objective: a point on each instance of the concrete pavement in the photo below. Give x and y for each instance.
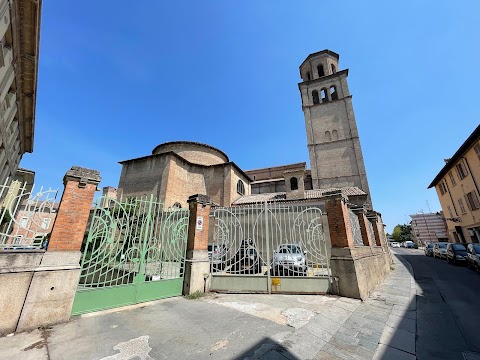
(238, 326)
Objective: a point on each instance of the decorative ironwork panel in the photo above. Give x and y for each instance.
(133, 241)
(355, 224)
(27, 215)
(370, 230)
(270, 239)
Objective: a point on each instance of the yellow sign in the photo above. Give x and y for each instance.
(275, 281)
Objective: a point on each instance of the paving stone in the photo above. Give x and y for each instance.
(323, 355)
(402, 322)
(385, 352)
(405, 313)
(342, 354)
(301, 345)
(399, 339)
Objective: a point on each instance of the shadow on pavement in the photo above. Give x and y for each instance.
(441, 319)
(266, 349)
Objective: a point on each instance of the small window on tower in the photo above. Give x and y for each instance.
(316, 99)
(320, 71)
(333, 93)
(334, 69)
(334, 135)
(293, 183)
(328, 137)
(308, 76)
(324, 96)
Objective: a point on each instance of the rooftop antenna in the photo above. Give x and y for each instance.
(428, 206)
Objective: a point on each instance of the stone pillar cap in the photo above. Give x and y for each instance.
(200, 198)
(84, 175)
(335, 194)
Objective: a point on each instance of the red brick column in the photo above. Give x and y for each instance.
(74, 210)
(197, 264)
(338, 220)
(373, 218)
(198, 223)
(363, 222)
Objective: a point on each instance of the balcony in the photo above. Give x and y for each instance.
(4, 14)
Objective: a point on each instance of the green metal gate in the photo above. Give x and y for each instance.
(134, 252)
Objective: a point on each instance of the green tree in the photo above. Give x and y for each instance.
(402, 233)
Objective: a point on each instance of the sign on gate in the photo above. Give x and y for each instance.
(271, 247)
(134, 252)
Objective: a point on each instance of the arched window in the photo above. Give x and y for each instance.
(323, 94)
(334, 69)
(328, 137)
(293, 183)
(316, 99)
(240, 187)
(320, 71)
(334, 135)
(333, 92)
(308, 76)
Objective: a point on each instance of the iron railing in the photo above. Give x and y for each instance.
(27, 215)
(270, 239)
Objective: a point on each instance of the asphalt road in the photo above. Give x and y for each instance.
(448, 307)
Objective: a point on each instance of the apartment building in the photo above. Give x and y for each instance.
(429, 228)
(457, 189)
(19, 48)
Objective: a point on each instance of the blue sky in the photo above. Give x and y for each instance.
(116, 80)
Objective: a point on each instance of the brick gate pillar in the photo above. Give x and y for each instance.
(197, 264)
(356, 269)
(52, 289)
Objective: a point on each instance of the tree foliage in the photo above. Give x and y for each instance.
(402, 233)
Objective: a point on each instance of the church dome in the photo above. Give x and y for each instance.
(194, 152)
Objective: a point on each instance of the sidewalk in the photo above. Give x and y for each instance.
(238, 326)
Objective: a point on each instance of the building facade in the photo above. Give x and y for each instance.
(457, 186)
(176, 170)
(19, 48)
(429, 228)
(336, 158)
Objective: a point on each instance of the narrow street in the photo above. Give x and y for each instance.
(448, 313)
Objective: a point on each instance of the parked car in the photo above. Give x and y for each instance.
(395, 244)
(473, 256)
(409, 244)
(288, 260)
(456, 253)
(429, 249)
(440, 250)
(246, 260)
(217, 254)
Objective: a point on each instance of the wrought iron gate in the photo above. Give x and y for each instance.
(270, 247)
(134, 252)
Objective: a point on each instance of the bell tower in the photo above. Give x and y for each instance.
(336, 158)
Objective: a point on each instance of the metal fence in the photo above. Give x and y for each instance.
(268, 240)
(134, 251)
(27, 215)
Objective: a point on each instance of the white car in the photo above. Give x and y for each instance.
(395, 244)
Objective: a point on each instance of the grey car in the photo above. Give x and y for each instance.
(289, 259)
(473, 256)
(440, 250)
(429, 249)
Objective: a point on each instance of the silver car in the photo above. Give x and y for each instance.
(289, 259)
(440, 250)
